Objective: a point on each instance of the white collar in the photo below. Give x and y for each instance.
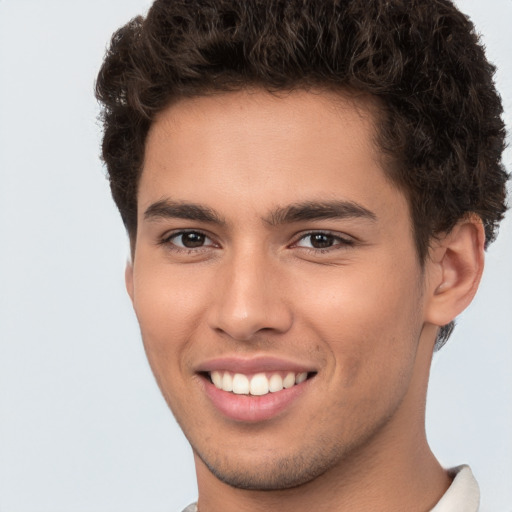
(463, 495)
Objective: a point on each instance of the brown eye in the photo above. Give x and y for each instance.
(322, 240)
(190, 240)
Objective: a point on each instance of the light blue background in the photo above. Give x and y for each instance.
(82, 423)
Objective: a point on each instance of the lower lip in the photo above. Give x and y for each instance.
(249, 408)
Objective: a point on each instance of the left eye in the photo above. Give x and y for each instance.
(190, 240)
(321, 241)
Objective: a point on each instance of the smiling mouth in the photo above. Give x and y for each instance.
(257, 384)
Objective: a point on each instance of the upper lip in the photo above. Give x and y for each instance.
(251, 365)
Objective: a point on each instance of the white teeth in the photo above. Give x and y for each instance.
(301, 377)
(258, 385)
(217, 379)
(289, 380)
(227, 382)
(240, 384)
(275, 383)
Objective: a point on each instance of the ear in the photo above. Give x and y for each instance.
(128, 278)
(455, 266)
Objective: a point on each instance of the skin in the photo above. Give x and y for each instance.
(363, 312)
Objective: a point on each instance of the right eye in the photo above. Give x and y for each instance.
(188, 240)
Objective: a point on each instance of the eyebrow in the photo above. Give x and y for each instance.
(308, 210)
(312, 210)
(168, 209)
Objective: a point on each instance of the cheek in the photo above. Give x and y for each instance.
(369, 321)
(167, 308)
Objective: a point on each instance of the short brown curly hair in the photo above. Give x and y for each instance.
(440, 121)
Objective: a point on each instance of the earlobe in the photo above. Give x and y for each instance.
(128, 278)
(458, 261)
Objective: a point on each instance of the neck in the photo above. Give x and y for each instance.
(391, 481)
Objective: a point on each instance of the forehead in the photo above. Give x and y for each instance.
(269, 119)
(257, 150)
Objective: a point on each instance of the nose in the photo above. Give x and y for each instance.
(250, 298)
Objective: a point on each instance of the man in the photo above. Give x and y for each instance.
(308, 188)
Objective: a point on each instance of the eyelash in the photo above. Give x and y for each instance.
(337, 241)
(168, 241)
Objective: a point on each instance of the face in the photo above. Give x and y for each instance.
(276, 283)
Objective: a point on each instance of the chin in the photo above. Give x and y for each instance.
(271, 473)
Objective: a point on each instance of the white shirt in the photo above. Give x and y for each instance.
(463, 495)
